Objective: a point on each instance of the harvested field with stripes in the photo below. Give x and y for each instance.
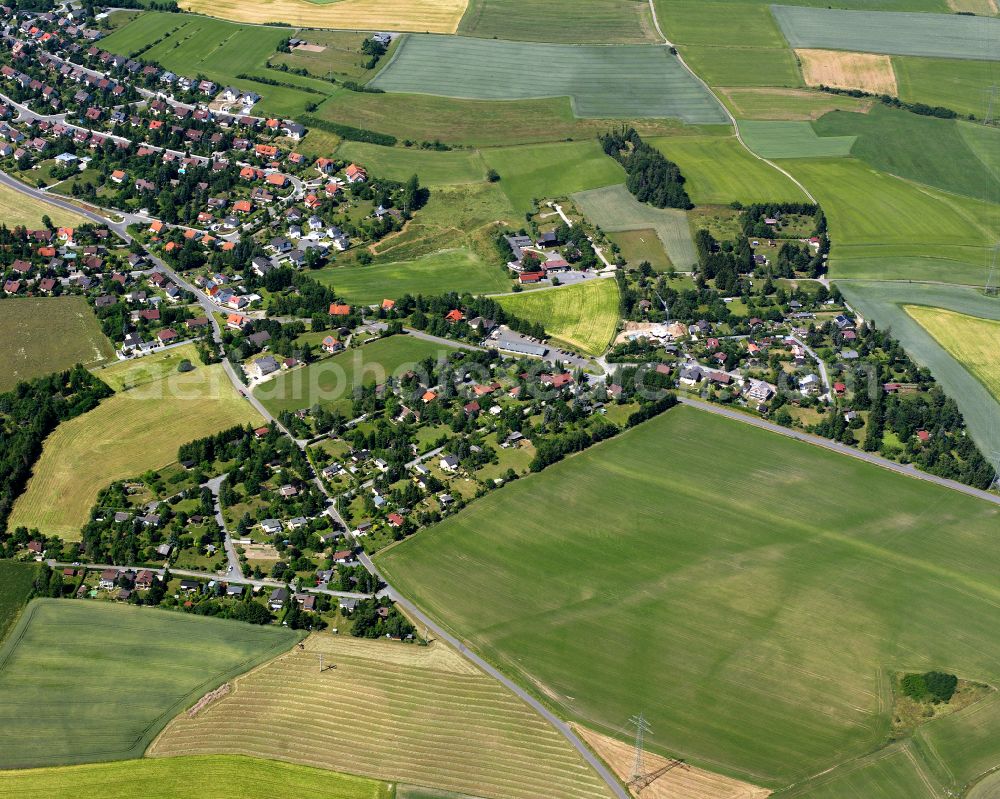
(418, 715)
(866, 71)
(441, 16)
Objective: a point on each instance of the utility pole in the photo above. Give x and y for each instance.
(991, 288)
(641, 728)
(992, 93)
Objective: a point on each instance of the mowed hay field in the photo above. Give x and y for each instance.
(786, 104)
(628, 81)
(125, 435)
(973, 342)
(458, 269)
(187, 777)
(42, 335)
(615, 209)
(17, 209)
(567, 21)
(866, 71)
(893, 33)
(583, 316)
(958, 84)
(756, 635)
(438, 16)
(15, 585)
(418, 715)
(83, 681)
(719, 170)
(435, 168)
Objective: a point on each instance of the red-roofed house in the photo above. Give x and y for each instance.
(337, 309)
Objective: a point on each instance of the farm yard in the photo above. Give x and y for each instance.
(566, 21)
(418, 715)
(42, 335)
(457, 269)
(893, 33)
(592, 76)
(125, 435)
(795, 620)
(614, 209)
(186, 778)
(331, 382)
(583, 316)
(439, 16)
(57, 706)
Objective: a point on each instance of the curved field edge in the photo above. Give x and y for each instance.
(66, 728)
(234, 776)
(606, 577)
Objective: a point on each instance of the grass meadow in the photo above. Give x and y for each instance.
(331, 382)
(719, 170)
(927, 150)
(547, 171)
(892, 33)
(637, 246)
(958, 84)
(19, 209)
(138, 372)
(46, 334)
(125, 435)
(15, 586)
(792, 140)
(418, 715)
(973, 342)
(84, 681)
(434, 167)
(438, 16)
(591, 75)
(796, 105)
(758, 643)
(186, 777)
(583, 316)
(614, 209)
(458, 270)
(563, 21)
(884, 303)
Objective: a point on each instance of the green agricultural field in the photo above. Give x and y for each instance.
(791, 140)
(131, 374)
(85, 681)
(637, 246)
(475, 123)
(566, 21)
(743, 66)
(927, 150)
(434, 168)
(957, 84)
(547, 171)
(884, 303)
(458, 270)
(884, 227)
(720, 170)
(124, 436)
(583, 316)
(186, 777)
(219, 50)
(15, 586)
(591, 75)
(614, 209)
(42, 335)
(786, 104)
(892, 33)
(403, 713)
(777, 623)
(331, 382)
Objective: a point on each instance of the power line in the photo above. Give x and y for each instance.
(991, 288)
(641, 728)
(992, 94)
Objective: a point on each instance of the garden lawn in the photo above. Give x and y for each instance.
(15, 587)
(331, 382)
(614, 209)
(900, 33)
(776, 583)
(433, 167)
(42, 335)
(719, 170)
(84, 681)
(593, 76)
(545, 171)
(566, 21)
(186, 777)
(395, 711)
(583, 316)
(458, 270)
(125, 435)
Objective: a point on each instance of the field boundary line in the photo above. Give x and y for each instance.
(732, 119)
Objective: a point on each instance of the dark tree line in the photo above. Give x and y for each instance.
(652, 178)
